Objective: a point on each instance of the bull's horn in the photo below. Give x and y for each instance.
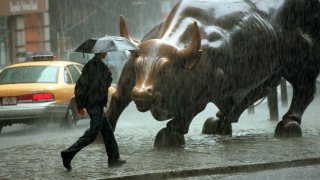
(124, 30)
(191, 54)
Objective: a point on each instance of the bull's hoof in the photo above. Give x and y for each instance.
(210, 126)
(168, 139)
(215, 126)
(288, 129)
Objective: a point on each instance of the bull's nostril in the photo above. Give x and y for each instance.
(149, 91)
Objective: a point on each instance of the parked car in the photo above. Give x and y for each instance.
(39, 92)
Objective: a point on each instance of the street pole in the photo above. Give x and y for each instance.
(273, 104)
(284, 94)
(61, 44)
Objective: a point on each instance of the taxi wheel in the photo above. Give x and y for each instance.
(70, 119)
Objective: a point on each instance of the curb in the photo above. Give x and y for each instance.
(241, 168)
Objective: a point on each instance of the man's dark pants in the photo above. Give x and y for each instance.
(98, 122)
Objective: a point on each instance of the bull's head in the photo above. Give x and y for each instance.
(160, 69)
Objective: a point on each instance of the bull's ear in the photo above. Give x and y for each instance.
(124, 30)
(190, 55)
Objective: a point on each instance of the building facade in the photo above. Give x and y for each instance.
(3, 42)
(73, 21)
(29, 27)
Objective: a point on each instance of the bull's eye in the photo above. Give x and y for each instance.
(162, 65)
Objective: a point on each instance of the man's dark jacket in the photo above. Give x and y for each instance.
(92, 86)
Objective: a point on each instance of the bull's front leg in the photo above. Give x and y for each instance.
(173, 134)
(122, 97)
(117, 105)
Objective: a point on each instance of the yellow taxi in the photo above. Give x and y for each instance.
(39, 92)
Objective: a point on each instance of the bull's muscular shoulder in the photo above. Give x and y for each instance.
(223, 13)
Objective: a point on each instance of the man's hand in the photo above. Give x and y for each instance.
(81, 112)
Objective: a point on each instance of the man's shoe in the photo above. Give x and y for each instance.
(66, 160)
(117, 162)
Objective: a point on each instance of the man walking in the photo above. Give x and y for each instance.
(91, 94)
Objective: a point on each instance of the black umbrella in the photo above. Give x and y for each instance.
(106, 44)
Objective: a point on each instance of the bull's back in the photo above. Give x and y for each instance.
(225, 14)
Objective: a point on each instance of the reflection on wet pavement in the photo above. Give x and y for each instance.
(29, 152)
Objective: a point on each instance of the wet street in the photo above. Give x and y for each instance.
(295, 173)
(170, 57)
(33, 153)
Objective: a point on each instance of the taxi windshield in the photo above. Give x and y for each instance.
(29, 74)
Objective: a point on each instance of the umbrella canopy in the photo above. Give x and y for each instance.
(106, 44)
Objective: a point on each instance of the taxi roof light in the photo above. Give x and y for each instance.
(43, 58)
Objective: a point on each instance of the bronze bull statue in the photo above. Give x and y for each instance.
(230, 53)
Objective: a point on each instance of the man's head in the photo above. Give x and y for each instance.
(100, 55)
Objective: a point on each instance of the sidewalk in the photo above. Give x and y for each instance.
(251, 148)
